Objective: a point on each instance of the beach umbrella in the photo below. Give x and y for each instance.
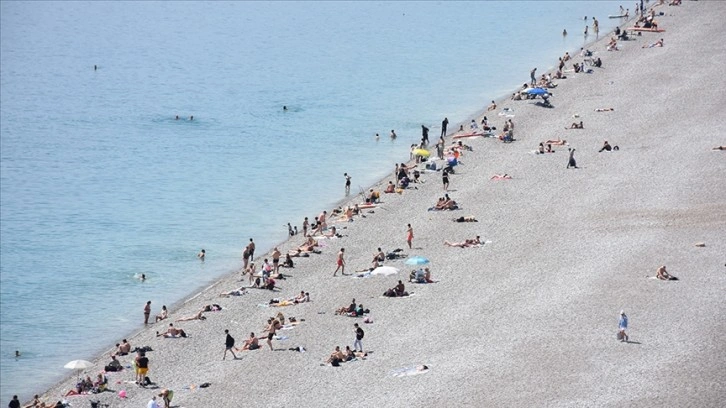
(78, 365)
(421, 152)
(385, 271)
(417, 260)
(536, 91)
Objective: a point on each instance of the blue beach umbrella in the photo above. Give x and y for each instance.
(417, 260)
(536, 91)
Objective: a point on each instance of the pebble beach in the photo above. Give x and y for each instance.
(530, 317)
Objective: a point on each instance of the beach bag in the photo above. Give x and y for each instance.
(147, 381)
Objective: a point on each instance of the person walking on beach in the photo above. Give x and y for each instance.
(409, 235)
(347, 183)
(571, 160)
(358, 343)
(340, 262)
(147, 312)
(622, 325)
(533, 77)
(445, 179)
(444, 125)
(424, 135)
(228, 345)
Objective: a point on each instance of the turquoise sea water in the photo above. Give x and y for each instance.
(99, 182)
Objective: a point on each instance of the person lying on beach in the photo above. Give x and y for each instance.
(172, 332)
(557, 142)
(464, 244)
(346, 309)
(333, 233)
(251, 343)
(576, 125)
(719, 148)
(658, 43)
(468, 218)
(604, 109)
(662, 274)
(235, 292)
(198, 316)
(504, 176)
(303, 297)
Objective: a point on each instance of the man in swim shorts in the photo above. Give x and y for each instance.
(147, 312)
(340, 263)
(142, 367)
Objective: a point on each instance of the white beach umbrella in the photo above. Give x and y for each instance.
(385, 271)
(78, 365)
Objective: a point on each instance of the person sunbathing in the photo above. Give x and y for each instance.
(309, 245)
(336, 357)
(464, 244)
(163, 315)
(557, 142)
(346, 309)
(492, 107)
(332, 234)
(605, 147)
(250, 344)
(198, 316)
(504, 176)
(235, 292)
(662, 274)
(468, 218)
(302, 297)
(390, 188)
(719, 148)
(576, 125)
(172, 332)
(604, 109)
(658, 43)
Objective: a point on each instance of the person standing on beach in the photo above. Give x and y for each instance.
(595, 26)
(251, 248)
(340, 262)
(322, 221)
(622, 326)
(424, 135)
(15, 403)
(571, 161)
(440, 148)
(147, 312)
(142, 367)
(533, 77)
(358, 343)
(229, 345)
(306, 225)
(409, 235)
(347, 183)
(276, 260)
(445, 179)
(444, 125)
(245, 257)
(271, 329)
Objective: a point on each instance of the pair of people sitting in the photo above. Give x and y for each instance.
(444, 203)
(338, 356)
(420, 276)
(172, 332)
(397, 291)
(576, 125)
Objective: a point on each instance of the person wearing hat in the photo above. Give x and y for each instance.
(622, 325)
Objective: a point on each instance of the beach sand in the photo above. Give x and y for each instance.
(529, 319)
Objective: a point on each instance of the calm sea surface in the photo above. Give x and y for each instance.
(99, 182)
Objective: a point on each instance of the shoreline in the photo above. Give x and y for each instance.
(185, 305)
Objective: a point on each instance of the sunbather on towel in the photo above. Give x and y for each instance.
(464, 244)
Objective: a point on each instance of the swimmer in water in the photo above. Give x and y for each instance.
(201, 255)
(284, 108)
(564, 32)
(191, 117)
(177, 117)
(393, 134)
